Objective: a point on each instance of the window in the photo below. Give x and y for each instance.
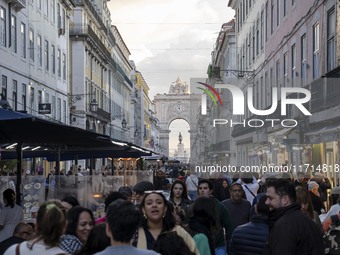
(39, 4)
(23, 39)
(4, 86)
(253, 44)
(46, 98)
(39, 96)
(64, 111)
(331, 24)
(266, 22)
(32, 100)
(59, 62)
(278, 76)
(23, 98)
(285, 69)
(293, 53)
(277, 12)
(303, 60)
(272, 17)
(58, 15)
(284, 8)
(53, 106)
(238, 19)
(53, 59)
(59, 110)
(46, 59)
(247, 49)
(53, 10)
(262, 91)
(46, 8)
(257, 38)
(64, 66)
(266, 90)
(14, 94)
(14, 34)
(39, 50)
(64, 19)
(3, 26)
(271, 84)
(316, 50)
(31, 48)
(261, 31)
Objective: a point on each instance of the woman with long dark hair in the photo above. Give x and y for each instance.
(179, 196)
(80, 221)
(10, 216)
(202, 223)
(156, 220)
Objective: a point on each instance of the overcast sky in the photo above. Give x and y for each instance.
(170, 38)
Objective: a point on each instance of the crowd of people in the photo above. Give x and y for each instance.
(240, 216)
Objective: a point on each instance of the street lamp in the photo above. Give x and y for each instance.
(124, 123)
(93, 105)
(201, 128)
(136, 132)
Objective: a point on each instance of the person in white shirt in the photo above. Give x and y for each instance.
(250, 186)
(192, 183)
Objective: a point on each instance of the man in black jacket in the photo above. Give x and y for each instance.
(251, 238)
(291, 231)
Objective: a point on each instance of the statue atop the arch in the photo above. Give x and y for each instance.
(179, 87)
(180, 138)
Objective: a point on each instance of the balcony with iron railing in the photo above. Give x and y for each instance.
(77, 31)
(17, 4)
(120, 71)
(325, 94)
(220, 147)
(93, 11)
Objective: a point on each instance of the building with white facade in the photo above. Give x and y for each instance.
(288, 44)
(34, 62)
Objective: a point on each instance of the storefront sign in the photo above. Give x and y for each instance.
(44, 108)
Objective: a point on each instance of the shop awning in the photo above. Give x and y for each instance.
(279, 135)
(24, 135)
(323, 134)
(42, 138)
(16, 127)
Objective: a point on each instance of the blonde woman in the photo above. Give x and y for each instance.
(50, 225)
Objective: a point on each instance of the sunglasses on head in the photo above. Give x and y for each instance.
(153, 191)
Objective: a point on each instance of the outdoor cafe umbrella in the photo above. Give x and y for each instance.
(28, 130)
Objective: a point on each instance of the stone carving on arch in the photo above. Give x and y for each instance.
(177, 104)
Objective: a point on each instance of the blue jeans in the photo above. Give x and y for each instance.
(220, 251)
(192, 195)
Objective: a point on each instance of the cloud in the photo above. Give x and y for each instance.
(170, 38)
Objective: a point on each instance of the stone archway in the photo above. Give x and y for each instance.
(177, 104)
